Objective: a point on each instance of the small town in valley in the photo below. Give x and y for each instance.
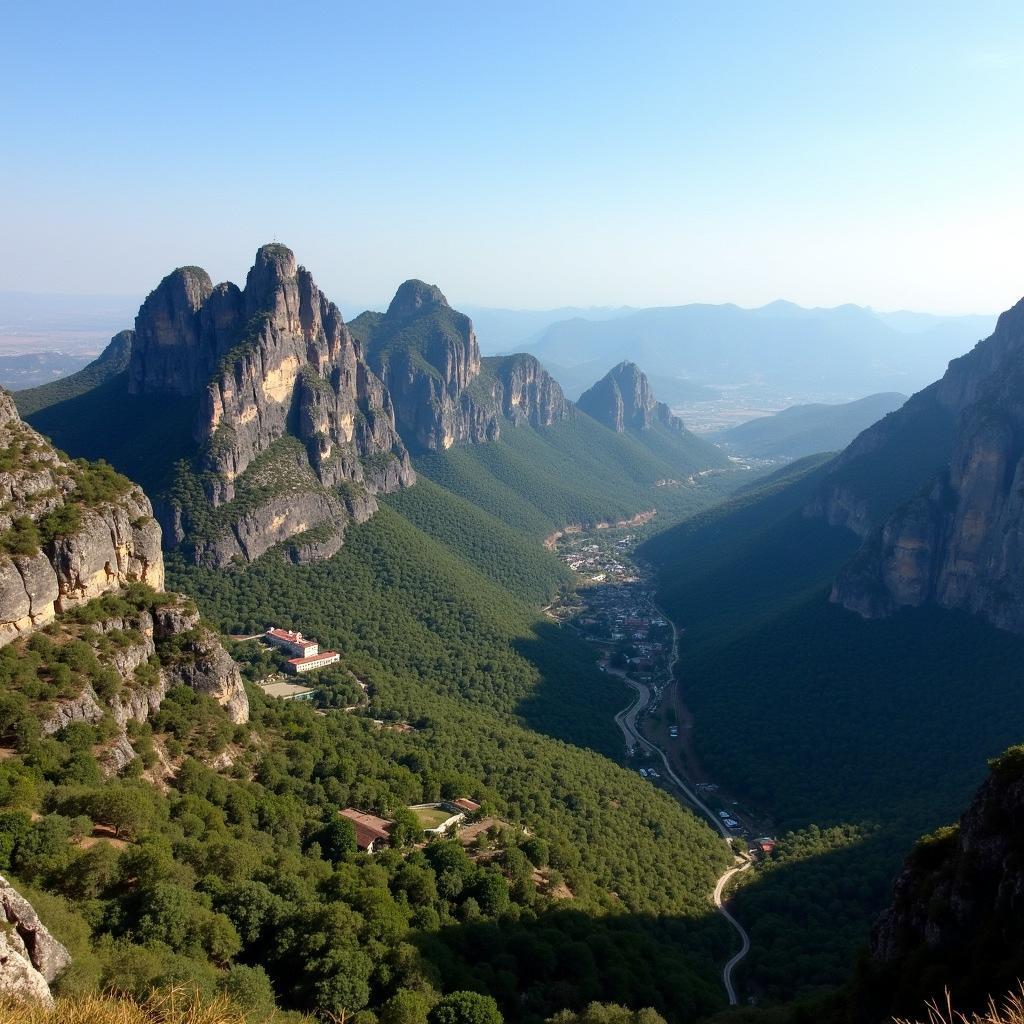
(613, 607)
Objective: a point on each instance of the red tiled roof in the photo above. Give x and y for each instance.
(465, 804)
(369, 827)
(312, 657)
(293, 638)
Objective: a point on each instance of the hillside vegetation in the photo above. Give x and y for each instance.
(823, 721)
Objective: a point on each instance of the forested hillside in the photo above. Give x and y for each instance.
(825, 722)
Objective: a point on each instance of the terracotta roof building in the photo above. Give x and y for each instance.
(316, 660)
(371, 831)
(465, 804)
(293, 643)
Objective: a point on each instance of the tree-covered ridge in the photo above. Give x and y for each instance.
(538, 480)
(491, 546)
(111, 361)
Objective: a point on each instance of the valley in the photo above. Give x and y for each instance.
(493, 572)
(614, 609)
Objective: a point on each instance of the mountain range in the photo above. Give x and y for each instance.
(817, 354)
(848, 625)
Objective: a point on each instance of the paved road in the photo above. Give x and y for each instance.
(730, 991)
(626, 721)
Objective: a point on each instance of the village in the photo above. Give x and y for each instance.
(613, 607)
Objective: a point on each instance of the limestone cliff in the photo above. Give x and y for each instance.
(623, 400)
(270, 361)
(69, 531)
(30, 957)
(427, 355)
(956, 914)
(72, 533)
(957, 539)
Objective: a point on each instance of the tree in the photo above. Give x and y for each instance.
(491, 892)
(536, 849)
(249, 989)
(406, 1007)
(337, 839)
(466, 1008)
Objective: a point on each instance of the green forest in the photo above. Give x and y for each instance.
(798, 702)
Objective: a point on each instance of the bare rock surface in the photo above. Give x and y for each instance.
(30, 957)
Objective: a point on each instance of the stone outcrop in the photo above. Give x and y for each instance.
(272, 360)
(94, 534)
(104, 545)
(444, 393)
(30, 957)
(623, 401)
(958, 540)
(956, 913)
(199, 661)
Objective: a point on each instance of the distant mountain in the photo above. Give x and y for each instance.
(510, 330)
(805, 429)
(673, 390)
(624, 401)
(820, 353)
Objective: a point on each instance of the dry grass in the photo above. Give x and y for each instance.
(171, 1007)
(1009, 1011)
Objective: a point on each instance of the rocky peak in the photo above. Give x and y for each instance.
(444, 393)
(272, 286)
(414, 297)
(623, 400)
(268, 364)
(168, 354)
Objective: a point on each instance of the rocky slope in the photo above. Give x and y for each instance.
(72, 536)
(954, 455)
(30, 957)
(623, 400)
(444, 393)
(957, 914)
(269, 361)
(69, 531)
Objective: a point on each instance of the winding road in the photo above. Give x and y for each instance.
(626, 721)
(730, 991)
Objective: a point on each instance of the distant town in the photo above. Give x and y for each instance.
(614, 608)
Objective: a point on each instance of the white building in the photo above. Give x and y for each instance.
(312, 661)
(293, 643)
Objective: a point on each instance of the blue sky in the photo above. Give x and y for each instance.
(524, 154)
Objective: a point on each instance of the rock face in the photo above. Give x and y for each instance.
(623, 400)
(72, 532)
(30, 957)
(427, 355)
(958, 541)
(956, 914)
(100, 543)
(267, 362)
